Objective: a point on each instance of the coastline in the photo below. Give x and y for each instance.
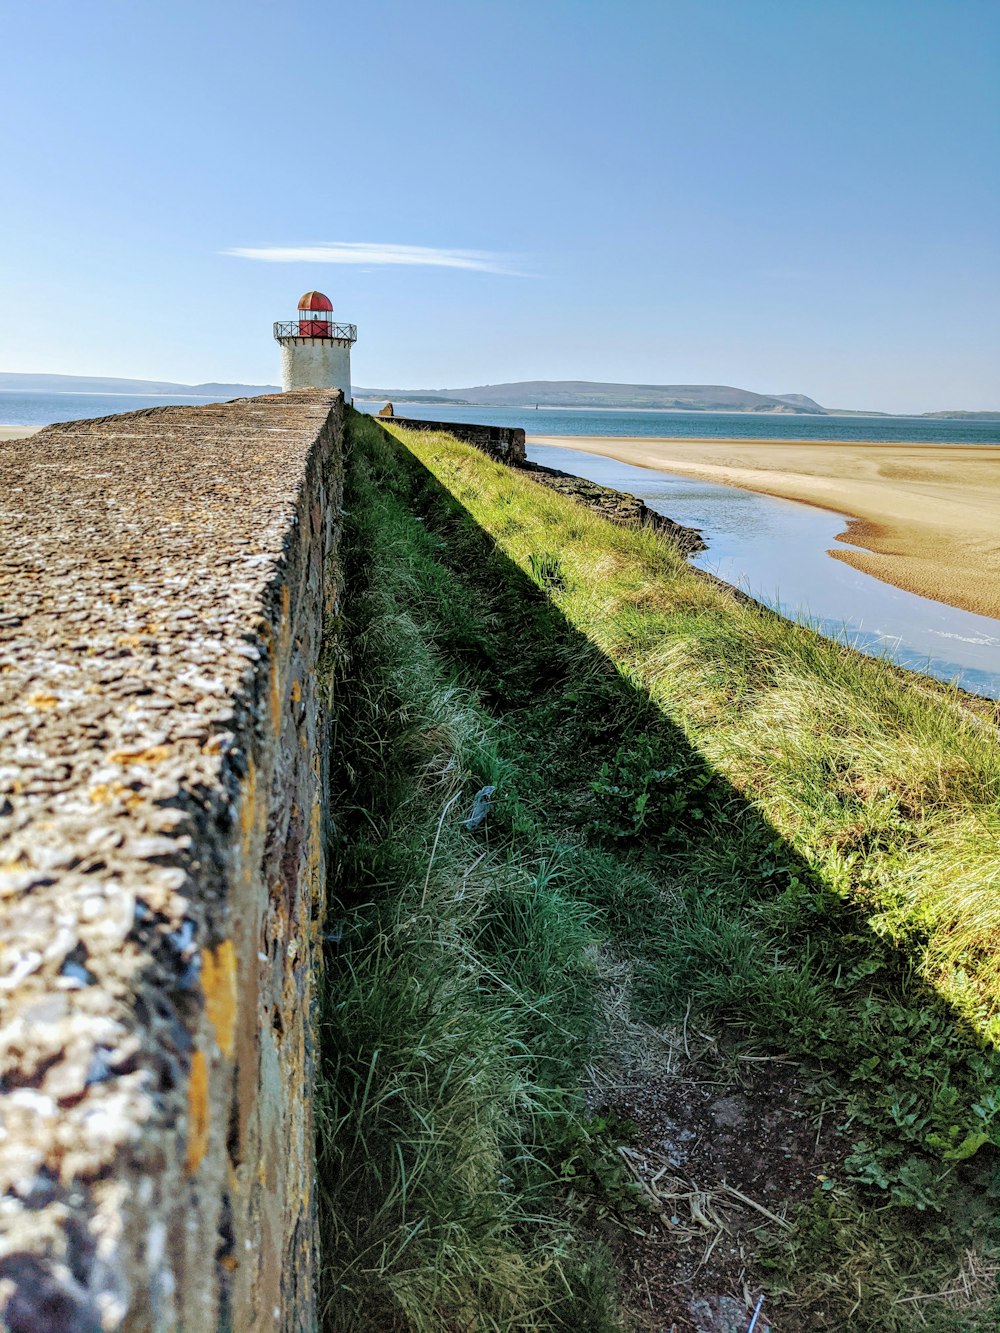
(926, 515)
(18, 432)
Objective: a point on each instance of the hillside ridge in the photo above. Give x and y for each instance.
(592, 394)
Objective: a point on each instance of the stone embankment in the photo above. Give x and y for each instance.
(166, 579)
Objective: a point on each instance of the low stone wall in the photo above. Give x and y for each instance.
(165, 577)
(505, 443)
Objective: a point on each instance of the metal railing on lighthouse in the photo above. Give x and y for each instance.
(316, 328)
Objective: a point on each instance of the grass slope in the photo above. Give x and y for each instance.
(796, 842)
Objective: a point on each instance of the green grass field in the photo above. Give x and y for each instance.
(795, 845)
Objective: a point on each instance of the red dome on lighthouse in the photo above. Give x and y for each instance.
(315, 301)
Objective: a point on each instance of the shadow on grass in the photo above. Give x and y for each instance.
(714, 908)
(747, 928)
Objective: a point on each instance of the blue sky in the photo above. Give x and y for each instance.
(786, 195)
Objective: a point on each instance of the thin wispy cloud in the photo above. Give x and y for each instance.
(370, 252)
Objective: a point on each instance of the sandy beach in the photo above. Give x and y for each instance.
(927, 516)
(17, 432)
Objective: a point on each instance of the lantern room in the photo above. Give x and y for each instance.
(315, 316)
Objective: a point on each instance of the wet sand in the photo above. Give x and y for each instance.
(927, 515)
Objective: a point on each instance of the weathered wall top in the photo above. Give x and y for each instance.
(163, 578)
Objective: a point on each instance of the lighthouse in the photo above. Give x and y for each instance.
(316, 351)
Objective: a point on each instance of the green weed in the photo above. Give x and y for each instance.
(458, 995)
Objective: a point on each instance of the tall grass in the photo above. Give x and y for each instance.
(458, 1001)
(888, 786)
(763, 829)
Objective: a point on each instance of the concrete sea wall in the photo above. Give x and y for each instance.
(166, 579)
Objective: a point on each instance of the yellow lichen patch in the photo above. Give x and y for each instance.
(105, 793)
(275, 695)
(218, 984)
(286, 623)
(199, 1112)
(315, 841)
(43, 701)
(248, 806)
(296, 692)
(153, 754)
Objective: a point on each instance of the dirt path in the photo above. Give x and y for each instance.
(724, 1142)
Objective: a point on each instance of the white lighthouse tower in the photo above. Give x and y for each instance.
(316, 352)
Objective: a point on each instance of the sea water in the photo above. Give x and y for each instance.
(42, 409)
(33, 409)
(708, 425)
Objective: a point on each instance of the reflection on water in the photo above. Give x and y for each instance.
(776, 550)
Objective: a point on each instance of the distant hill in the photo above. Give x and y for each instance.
(586, 393)
(665, 397)
(964, 416)
(520, 393)
(800, 400)
(12, 382)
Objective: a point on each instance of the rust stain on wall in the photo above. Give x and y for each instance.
(218, 982)
(248, 806)
(275, 694)
(199, 1112)
(152, 754)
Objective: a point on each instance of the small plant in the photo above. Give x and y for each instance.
(635, 797)
(588, 1161)
(547, 571)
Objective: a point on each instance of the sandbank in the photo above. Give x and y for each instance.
(927, 515)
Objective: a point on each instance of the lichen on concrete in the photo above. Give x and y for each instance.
(164, 582)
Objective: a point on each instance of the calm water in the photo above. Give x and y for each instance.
(776, 550)
(708, 425)
(41, 409)
(27, 409)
